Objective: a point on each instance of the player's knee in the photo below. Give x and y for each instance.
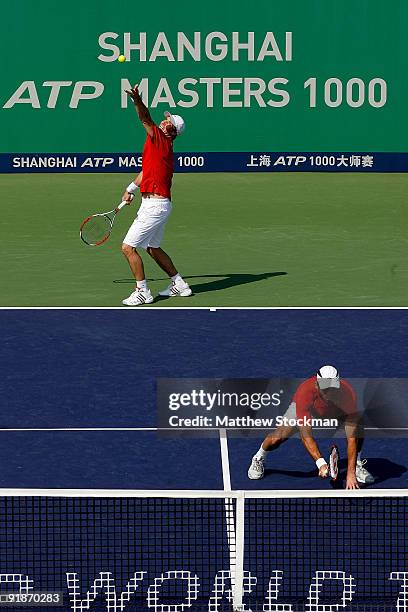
(127, 250)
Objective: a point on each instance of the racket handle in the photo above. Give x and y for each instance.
(121, 205)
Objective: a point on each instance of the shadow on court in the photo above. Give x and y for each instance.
(290, 473)
(382, 469)
(289, 468)
(224, 281)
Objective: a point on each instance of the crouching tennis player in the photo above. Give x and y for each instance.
(154, 182)
(321, 396)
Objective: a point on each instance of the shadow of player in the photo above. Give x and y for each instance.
(224, 281)
(382, 469)
(291, 473)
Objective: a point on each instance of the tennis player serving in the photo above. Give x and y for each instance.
(154, 182)
(326, 396)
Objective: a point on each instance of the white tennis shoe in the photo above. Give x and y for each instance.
(363, 476)
(138, 298)
(179, 288)
(257, 469)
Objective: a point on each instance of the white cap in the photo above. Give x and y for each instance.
(327, 377)
(177, 121)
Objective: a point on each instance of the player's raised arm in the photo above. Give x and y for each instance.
(141, 109)
(310, 445)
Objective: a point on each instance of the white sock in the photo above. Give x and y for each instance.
(358, 456)
(177, 278)
(261, 454)
(141, 284)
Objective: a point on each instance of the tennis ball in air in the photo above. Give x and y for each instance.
(121, 59)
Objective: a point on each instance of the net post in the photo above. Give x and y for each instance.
(237, 573)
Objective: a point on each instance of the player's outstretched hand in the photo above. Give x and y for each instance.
(324, 471)
(134, 92)
(127, 197)
(351, 482)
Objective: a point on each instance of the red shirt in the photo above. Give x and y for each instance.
(310, 403)
(157, 164)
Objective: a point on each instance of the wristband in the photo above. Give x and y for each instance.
(132, 187)
(320, 462)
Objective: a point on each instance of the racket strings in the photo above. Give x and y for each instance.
(334, 462)
(96, 229)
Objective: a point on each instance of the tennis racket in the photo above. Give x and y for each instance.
(96, 229)
(334, 462)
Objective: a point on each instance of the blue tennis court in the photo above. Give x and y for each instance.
(97, 506)
(91, 375)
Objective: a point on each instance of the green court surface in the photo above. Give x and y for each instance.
(288, 239)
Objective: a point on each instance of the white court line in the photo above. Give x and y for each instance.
(170, 308)
(178, 429)
(207, 494)
(87, 428)
(137, 493)
(226, 476)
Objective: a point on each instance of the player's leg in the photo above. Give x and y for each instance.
(363, 476)
(141, 295)
(163, 260)
(138, 237)
(135, 262)
(178, 285)
(272, 441)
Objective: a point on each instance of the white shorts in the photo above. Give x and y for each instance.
(148, 228)
(291, 411)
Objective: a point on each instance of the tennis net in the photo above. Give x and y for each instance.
(171, 551)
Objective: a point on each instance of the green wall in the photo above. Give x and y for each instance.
(44, 40)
